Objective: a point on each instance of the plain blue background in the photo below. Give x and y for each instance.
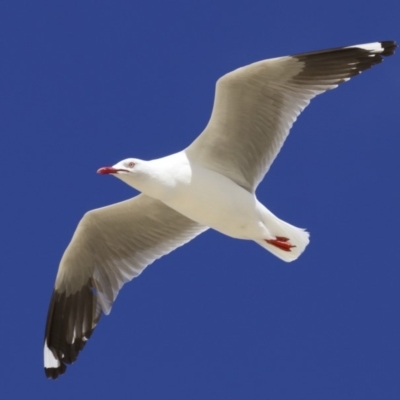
(84, 84)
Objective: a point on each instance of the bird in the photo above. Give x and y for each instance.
(210, 184)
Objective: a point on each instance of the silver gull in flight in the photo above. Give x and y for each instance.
(210, 184)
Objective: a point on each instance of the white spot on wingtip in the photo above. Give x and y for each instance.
(375, 47)
(49, 360)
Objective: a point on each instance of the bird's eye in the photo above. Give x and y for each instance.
(131, 164)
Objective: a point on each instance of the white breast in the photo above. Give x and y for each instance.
(215, 201)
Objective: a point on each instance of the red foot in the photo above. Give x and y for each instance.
(281, 243)
(282, 238)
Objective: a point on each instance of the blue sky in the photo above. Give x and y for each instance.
(84, 84)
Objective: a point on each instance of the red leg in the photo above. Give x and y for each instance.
(281, 243)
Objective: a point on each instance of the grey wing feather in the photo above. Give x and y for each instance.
(255, 107)
(110, 246)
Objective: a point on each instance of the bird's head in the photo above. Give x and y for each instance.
(152, 177)
(124, 167)
(134, 172)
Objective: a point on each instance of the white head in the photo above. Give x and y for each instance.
(137, 173)
(129, 170)
(126, 166)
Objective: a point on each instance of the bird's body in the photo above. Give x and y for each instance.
(210, 184)
(213, 200)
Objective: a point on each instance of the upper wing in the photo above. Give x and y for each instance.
(255, 107)
(110, 246)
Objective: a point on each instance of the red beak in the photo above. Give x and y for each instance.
(107, 170)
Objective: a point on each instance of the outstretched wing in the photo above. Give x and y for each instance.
(110, 246)
(255, 107)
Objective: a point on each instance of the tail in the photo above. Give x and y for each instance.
(287, 242)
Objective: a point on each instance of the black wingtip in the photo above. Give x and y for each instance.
(54, 373)
(389, 47)
(70, 323)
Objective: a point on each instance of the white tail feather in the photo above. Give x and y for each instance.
(298, 237)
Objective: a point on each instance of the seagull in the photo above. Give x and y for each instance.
(210, 184)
